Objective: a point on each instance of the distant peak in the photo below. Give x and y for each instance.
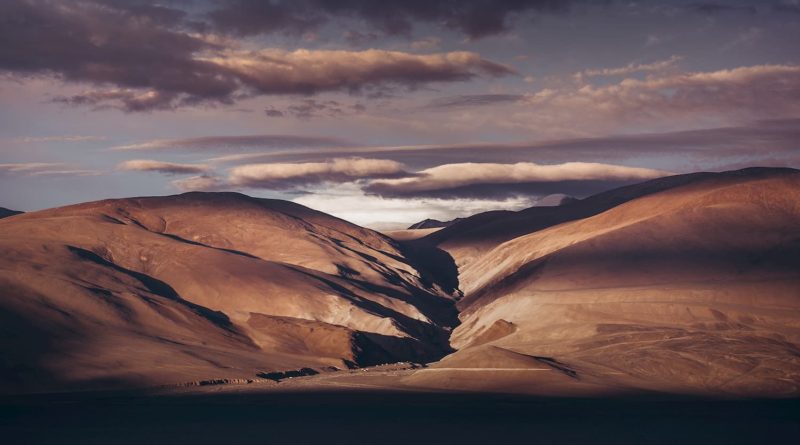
(432, 224)
(5, 213)
(555, 200)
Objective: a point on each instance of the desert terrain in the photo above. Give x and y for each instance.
(681, 293)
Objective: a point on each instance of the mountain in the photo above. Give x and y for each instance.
(687, 285)
(432, 224)
(5, 213)
(473, 236)
(683, 285)
(163, 290)
(556, 199)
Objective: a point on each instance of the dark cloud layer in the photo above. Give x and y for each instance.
(140, 57)
(118, 45)
(475, 18)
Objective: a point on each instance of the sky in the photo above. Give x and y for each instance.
(386, 113)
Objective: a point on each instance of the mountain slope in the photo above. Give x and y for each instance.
(471, 237)
(251, 282)
(692, 289)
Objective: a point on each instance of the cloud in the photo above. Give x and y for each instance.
(275, 71)
(206, 183)
(64, 138)
(45, 169)
(757, 91)
(668, 100)
(109, 43)
(475, 18)
(161, 167)
(312, 108)
(631, 68)
(288, 175)
(473, 100)
(236, 143)
(127, 100)
(28, 167)
(139, 58)
(471, 180)
(587, 107)
(348, 202)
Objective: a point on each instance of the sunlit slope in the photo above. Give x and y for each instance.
(693, 289)
(469, 238)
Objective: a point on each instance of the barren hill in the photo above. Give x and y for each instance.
(164, 290)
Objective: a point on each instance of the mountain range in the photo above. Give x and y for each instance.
(686, 284)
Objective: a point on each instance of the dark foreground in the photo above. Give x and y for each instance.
(389, 418)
